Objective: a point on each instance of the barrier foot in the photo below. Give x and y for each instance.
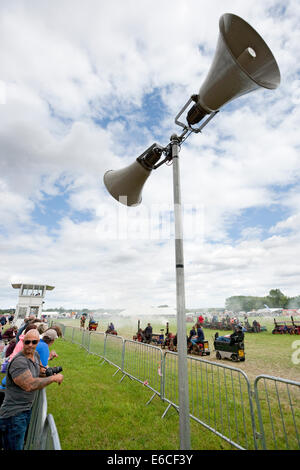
(165, 412)
(116, 372)
(125, 376)
(149, 401)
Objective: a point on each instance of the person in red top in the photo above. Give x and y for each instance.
(200, 319)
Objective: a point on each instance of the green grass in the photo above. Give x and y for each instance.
(94, 411)
(222, 406)
(265, 353)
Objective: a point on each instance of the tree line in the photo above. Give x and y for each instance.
(275, 299)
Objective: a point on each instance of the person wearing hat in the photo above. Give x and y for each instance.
(45, 343)
(237, 336)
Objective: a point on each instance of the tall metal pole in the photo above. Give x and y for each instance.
(183, 385)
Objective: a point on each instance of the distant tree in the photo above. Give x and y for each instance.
(294, 302)
(277, 299)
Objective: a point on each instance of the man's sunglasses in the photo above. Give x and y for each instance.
(28, 341)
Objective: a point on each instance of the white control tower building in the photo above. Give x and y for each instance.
(31, 300)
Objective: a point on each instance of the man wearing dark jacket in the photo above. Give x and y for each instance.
(148, 333)
(237, 336)
(200, 335)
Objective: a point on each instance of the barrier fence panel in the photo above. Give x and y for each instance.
(77, 336)
(86, 339)
(61, 325)
(114, 350)
(50, 439)
(97, 344)
(143, 362)
(278, 407)
(37, 420)
(68, 333)
(220, 396)
(220, 399)
(170, 383)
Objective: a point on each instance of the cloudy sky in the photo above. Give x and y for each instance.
(86, 87)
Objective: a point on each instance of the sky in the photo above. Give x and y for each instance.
(86, 87)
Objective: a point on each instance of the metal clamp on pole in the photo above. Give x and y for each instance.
(188, 127)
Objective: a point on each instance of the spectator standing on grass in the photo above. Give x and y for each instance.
(24, 378)
(57, 329)
(26, 321)
(18, 347)
(42, 348)
(20, 343)
(3, 320)
(42, 327)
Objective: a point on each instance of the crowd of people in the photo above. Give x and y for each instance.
(196, 335)
(26, 356)
(230, 323)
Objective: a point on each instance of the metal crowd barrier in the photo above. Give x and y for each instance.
(221, 398)
(50, 439)
(77, 336)
(42, 433)
(97, 344)
(86, 340)
(278, 405)
(114, 351)
(143, 362)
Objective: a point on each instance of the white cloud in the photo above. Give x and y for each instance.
(77, 84)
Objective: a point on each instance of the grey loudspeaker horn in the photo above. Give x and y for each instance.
(126, 185)
(242, 63)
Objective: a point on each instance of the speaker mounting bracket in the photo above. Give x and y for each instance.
(186, 127)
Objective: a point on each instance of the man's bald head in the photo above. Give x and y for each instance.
(30, 342)
(31, 334)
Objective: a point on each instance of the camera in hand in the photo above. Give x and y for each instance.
(53, 370)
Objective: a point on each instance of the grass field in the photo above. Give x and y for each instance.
(93, 410)
(265, 353)
(218, 397)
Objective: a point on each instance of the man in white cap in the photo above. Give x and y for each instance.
(45, 343)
